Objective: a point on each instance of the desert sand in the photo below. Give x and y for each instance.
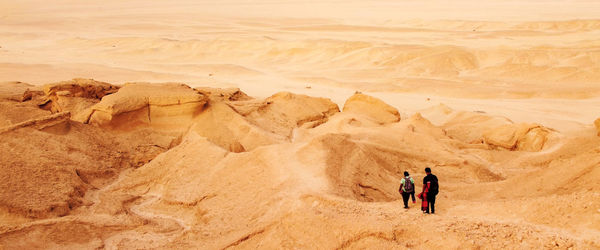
(289, 124)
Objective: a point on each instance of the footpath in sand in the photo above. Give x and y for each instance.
(95, 165)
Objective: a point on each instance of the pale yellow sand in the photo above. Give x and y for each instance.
(171, 167)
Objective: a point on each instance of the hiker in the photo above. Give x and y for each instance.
(430, 190)
(407, 188)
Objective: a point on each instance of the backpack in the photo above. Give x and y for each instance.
(409, 186)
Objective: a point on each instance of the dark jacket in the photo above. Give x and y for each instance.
(433, 186)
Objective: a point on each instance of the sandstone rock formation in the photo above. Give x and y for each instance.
(497, 132)
(282, 112)
(371, 107)
(469, 127)
(157, 105)
(75, 96)
(230, 94)
(40, 123)
(597, 124)
(15, 108)
(528, 137)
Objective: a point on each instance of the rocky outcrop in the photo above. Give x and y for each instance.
(16, 105)
(372, 107)
(16, 91)
(284, 111)
(75, 96)
(597, 124)
(469, 127)
(40, 123)
(79, 87)
(487, 131)
(227, 94)
(523, 136)
(168, 105)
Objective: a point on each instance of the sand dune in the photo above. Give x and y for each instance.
(289, 124)
(490, 57)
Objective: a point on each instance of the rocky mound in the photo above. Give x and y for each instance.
(75, 96)
(283, 112)
(527, 137)
(142, 104)
(14, 105)
(40, 123)
(495, 132)
(371, 107)
(230, 94)
(469, 127)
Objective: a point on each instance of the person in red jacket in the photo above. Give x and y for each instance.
(430, 191)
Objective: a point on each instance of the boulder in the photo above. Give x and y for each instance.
(372, 107)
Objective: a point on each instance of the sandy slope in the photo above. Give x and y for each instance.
(497, 96)
(288, 171)
(532, 51)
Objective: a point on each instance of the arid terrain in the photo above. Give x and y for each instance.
(289, 124)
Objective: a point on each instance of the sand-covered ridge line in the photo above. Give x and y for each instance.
(96, 165)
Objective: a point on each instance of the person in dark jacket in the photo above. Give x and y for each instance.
(430, 190)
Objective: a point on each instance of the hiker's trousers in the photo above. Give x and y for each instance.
(406, 196)
(431, 203)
